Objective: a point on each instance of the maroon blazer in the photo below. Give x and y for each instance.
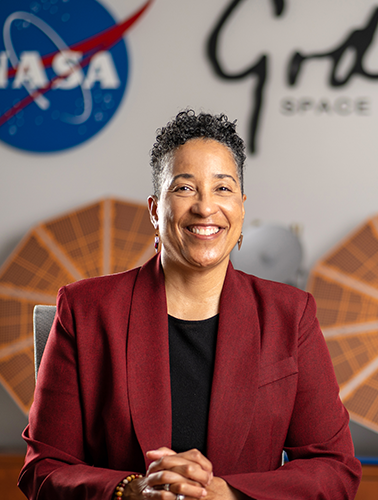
(103, 392)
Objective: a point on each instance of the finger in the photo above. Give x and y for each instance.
(181, 465)
(193, 455)
(178, 485)
(153, 494)
(160, 452)
(194, 473)
(168, 479)
(196, 456)
(188, 489)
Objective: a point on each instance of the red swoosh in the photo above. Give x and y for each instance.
(92, 45)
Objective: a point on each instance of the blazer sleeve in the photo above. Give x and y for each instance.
(55, 464)
(319, 445)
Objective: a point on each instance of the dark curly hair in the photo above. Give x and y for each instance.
(186, 126)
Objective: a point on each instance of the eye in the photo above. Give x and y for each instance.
(182, 189)
(224, 189)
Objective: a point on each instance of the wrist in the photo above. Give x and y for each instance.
(122, 485)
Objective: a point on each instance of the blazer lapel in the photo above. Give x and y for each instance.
(148, 360)
(235, 380)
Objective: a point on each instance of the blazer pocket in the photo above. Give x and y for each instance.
(277, 371)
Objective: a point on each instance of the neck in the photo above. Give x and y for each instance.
(193, 294)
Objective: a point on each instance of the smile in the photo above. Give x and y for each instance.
(204, 231)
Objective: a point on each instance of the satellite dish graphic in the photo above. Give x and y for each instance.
(105, 237)
(345, 286)
(270, 252)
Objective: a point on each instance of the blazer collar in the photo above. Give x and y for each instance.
(235, 379)
(148, 359)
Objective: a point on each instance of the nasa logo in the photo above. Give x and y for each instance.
(63, 71)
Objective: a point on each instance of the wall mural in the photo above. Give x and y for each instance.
(104, 237)
(345, 285)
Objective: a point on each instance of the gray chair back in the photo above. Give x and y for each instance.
(43, 317)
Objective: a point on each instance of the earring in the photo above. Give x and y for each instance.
(157, 242)
(240, 241)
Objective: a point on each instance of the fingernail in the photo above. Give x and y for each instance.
(204, 493)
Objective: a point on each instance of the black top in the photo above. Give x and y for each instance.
(192, 355)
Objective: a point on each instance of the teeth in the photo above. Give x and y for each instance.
(205, 231)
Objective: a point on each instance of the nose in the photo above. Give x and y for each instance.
(204, 205)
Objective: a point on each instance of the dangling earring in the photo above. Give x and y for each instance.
(157, 242)
(240, 241)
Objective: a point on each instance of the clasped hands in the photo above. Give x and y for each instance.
(188, 474)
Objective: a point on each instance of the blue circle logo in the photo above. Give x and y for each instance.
(63, 71)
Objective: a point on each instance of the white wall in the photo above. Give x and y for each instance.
(317, 170)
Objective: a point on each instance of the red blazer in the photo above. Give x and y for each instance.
(103, 392)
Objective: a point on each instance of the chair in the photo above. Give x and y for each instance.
(43, 317)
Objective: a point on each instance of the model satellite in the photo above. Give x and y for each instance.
(271, 252)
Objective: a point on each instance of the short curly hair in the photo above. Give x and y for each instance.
(186, 126)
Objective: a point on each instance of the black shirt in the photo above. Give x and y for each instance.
(192, 355)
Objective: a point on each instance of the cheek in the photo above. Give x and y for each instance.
(175, 210)
(167, 219)
(236, 214)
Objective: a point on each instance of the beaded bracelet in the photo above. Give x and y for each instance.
(121, 486)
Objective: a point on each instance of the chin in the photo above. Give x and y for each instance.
(208, 262)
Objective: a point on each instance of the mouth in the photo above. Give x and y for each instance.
(204, 230)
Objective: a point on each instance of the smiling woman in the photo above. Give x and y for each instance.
(185, 378)
(199, 217)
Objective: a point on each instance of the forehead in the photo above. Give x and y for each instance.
(201, 157)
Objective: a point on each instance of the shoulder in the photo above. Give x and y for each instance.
(102, 288)
(112, 293)
(84, 305)
(269, 290)
(101, 282)
(275, 298)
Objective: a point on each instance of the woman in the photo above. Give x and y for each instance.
(185, 371)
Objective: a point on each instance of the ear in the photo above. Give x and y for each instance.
(152, 203)
(244, 198)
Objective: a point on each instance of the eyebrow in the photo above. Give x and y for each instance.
(190, 176)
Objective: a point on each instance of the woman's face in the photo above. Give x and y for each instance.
(201, 209)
